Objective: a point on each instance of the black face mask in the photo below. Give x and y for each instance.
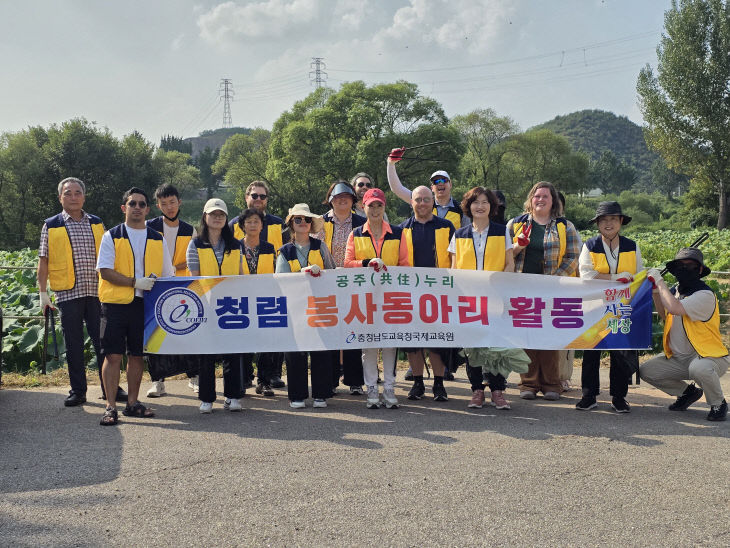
(172, 219)
(687, 276)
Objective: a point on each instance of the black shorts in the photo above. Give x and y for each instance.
(122, 328)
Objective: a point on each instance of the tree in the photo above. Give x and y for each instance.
(173, 168)
(331, 135)
(204, 161)
(667, 181)
(541, 155)
(25, 185)
(171, 142)
(686, 106)
(611, 175)
(243, 159)
(484, 137)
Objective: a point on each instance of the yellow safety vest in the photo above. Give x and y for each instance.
(561, 225)
(389, 252)
(61, 272)
(442, 237)
(704, 336)
(267, 259)
(313, 257)
(626, 255)
(209, 265)
(182, 240)
(124, 264)
(453, 214)
(494, 251)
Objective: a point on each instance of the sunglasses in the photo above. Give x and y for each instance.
(361, 184)
(300, 220)
(259, 196)
(134, 203)
(439, 181)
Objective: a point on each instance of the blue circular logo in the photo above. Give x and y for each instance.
(179, 311)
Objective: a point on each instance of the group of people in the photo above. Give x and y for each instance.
(355, 233)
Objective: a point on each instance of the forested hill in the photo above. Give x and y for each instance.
(594, 131)
(214, 138)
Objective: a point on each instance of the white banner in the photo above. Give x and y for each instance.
(403, 307)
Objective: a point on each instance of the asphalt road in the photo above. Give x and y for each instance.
(426, 474)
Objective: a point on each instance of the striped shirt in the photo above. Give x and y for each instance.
(84, 256)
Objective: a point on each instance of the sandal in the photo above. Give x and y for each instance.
(137, 410)
(110, 417)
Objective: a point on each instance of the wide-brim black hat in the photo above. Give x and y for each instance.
(690, 253)
(610, 208)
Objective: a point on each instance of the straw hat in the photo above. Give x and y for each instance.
(302, 210)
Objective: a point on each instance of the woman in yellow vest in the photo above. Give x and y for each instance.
(309, 255)
(377, 244)
(693, 347)
(216, 252)
(483, 245)
(259, 258)
(544, 243)
(609, 256)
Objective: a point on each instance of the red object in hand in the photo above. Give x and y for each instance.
(378, 264)
(396, 154)
(524, 238)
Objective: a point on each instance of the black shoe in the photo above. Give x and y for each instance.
(439, 393)
(586, 403)
(417, 391)
(73, 399)
(448, 375)
(380, 381)
(620, 405)
(690, 395)
(718, 412)
(276, 382)
(121, 394)
(409, 374)
(264, 389)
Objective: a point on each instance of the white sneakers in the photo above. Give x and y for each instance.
(232, 404)
(319, 403)
(373, 401)
(206, 407)
(391, 402)
(297, 404)
(157, 389)
(193, 384)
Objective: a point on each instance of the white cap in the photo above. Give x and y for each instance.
(440, 173)
(215, 204)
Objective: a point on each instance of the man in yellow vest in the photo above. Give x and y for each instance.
(693, 348)
(426, 237)
(67, 260)
(177, 235)
(131, 257)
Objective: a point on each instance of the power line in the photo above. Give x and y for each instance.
(558, 53)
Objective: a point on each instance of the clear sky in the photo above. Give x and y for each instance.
(155, 65)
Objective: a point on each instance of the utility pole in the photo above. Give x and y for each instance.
(317, 75)
(226, 93)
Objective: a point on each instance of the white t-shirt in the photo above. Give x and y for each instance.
(480, 242)
(699, 307)
(170, 235)
(138, 241)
